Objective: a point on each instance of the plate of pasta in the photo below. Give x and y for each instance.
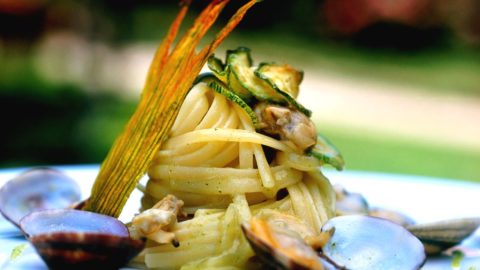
(226, 170)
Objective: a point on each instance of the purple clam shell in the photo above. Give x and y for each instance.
(74, 239)
(363, 242)
(37, 189)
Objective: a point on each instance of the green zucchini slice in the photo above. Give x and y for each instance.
(224, 74)
(285, 80)
(283, 77)
(235, 85)
(239, 62)
(326, 152)
(218, 68)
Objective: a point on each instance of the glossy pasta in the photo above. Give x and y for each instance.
(225, 172)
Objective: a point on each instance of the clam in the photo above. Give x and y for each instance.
(441, 235)
(352, 203)
(348, 203)
(37, 189)
(74, 239)
(362, 242)
(280, 248)
(347, 242)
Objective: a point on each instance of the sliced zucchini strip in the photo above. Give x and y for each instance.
(326, 152)
(284, 77)
(239, 62)
(224, 74)
(285, 80)
(218, 68)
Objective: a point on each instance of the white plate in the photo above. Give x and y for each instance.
(423, 198)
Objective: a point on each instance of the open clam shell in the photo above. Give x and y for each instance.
(37, 189)
(73, 239)
(441, 235)
(280, 249)
(362, 242)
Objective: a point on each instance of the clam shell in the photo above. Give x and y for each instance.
(441, 235)
(362, 242)
(276, 259)
(37, 189)
(349, 203)
(73, 239)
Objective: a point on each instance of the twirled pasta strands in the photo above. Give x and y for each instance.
(223, 134)
(212, 160)
(171, 75)
(218, 181)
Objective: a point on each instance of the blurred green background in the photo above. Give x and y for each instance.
(396, 86)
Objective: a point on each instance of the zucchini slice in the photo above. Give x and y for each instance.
(224, 74)
(239, 62)
(218, 68)
(326, 152)
(235, 85)
(269, 82)
(285, 80)
(283, 77)
(218, 86)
